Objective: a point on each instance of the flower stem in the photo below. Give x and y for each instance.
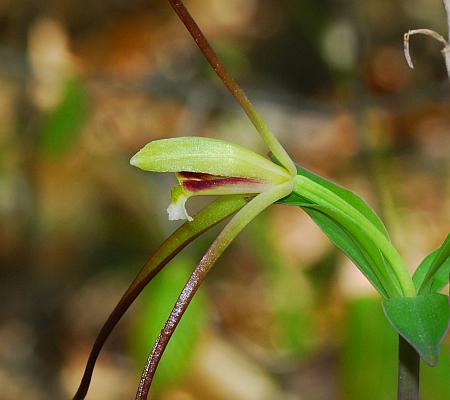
(408, 371)
(205, 219)
(231, 230)
(261, 126)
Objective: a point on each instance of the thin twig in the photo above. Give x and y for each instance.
(214, 61)
(428, 32)
(447, 11)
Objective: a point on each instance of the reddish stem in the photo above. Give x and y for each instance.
(125, 302)
(216, 65)
(205, 219)
(208, 52)
(272, 143)
(183, 301)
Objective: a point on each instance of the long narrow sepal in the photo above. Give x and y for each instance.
(205, 219)
(231, 230)
(206, 155)
(269, 138)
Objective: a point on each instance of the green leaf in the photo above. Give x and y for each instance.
(354, 242)
(62, 125)
(442, 277)
(349, 245)
(423, 321)
(368, 367)
(433, 272)
(349, 197)
(350, 212)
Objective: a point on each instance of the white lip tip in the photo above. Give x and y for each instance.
(177, 211)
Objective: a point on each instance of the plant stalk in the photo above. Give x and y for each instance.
(231, 230)
(408, 371)
(259, 123)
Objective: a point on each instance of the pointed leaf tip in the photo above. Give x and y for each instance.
(433, 272)
(423, 321)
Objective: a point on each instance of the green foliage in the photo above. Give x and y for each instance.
(349, 197)
(422, 321)
(355, 229)
(433, 272)
(369, 352)
(296, 198)
(354, 242)
(349, 235)
(157, 304)
(62, 125)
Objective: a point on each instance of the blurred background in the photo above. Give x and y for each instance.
(283, 315)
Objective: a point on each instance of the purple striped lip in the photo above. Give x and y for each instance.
(195, 175)
(195, 182)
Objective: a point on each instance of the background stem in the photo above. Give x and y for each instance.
(447, 11)
(446, 50)
(408, 371)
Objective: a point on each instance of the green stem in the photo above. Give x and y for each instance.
(322, 196)
(408, 371)
(261, 126)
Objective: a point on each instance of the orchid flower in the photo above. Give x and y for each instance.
(209, 167)
(206, 166)
(246, 183)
